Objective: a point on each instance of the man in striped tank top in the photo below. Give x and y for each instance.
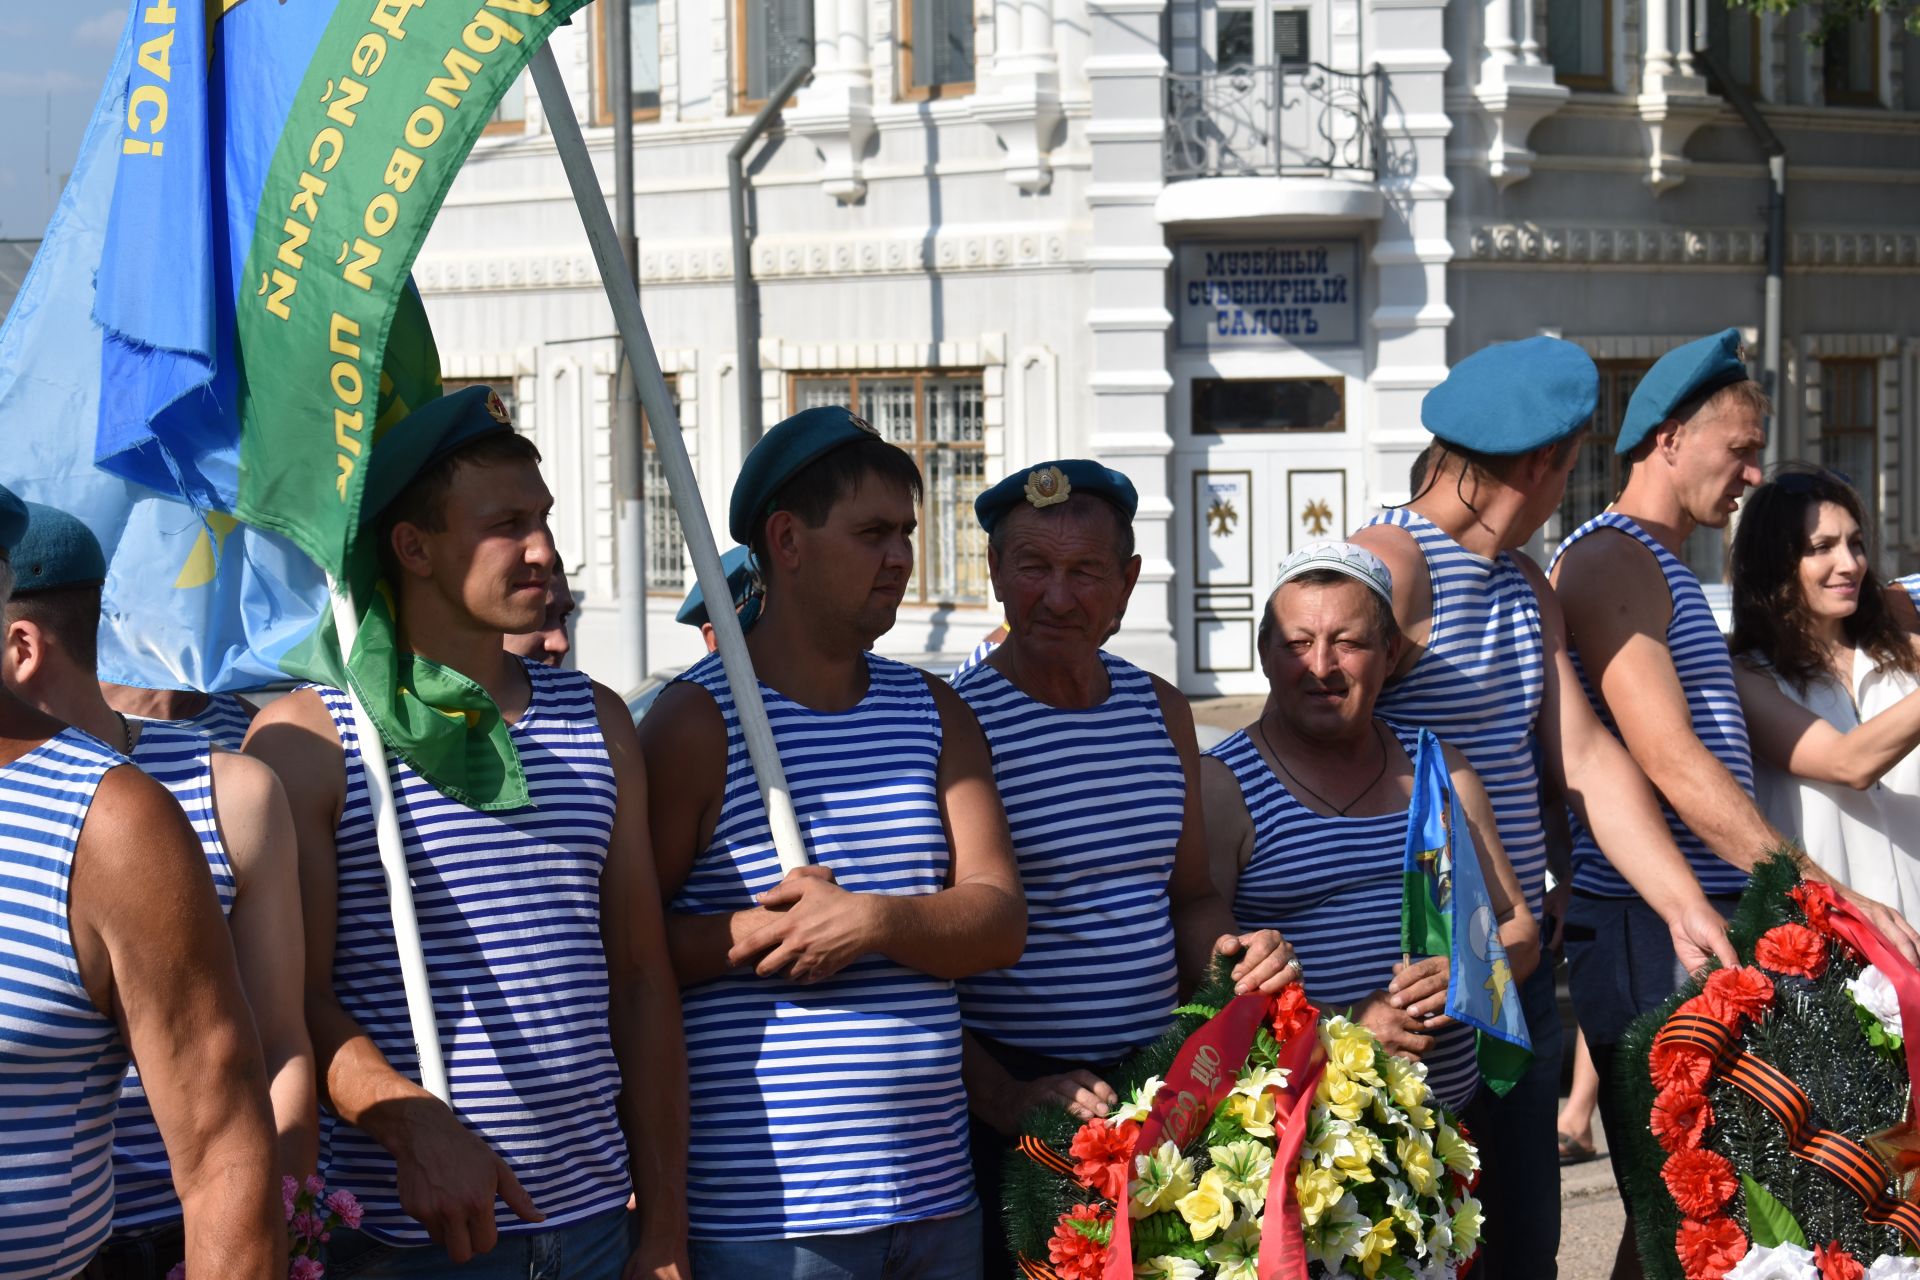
(115, 945)
(1486, 669)
(1098, 766)
(558, 1014)
(1656, 669)
(829, 1122)
(1903, 600)
(240, 815)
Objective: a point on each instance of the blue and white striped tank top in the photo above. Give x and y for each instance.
(835, 1106)
(1332, 886)
(981, 652)
(1911, 584)
(1096, 800)
(1705, 668)
(224, 722)
(182, 762)
(61, 1059)
(1478, 685)
(509, 910)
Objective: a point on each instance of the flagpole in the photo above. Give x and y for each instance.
(672, 452)
(393, 862)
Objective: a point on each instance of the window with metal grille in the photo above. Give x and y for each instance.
(938, 418)
(643, 19)
(1580, 42)
(936, 48)
(1290, 47)
(1850, 63)
(1849, 434)
(666, 545)
(771, 38)
(1599, 473)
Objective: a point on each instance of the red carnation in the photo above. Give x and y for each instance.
(1675, 1062)
(1818, 901)
(1745, 990)
(1836, 1263)
(1292, 1014)
(1794, 949)
(1103, 1152)
(1708, 1005)
(1075, 1255)
(1708, 1250)
(1700, 1182)
(1680, 1117)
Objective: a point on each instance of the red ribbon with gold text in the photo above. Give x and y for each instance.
(1283, 1236)
(1869, 942)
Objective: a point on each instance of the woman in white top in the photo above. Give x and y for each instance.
(1828, 680)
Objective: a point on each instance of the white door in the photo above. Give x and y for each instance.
(1269, 87)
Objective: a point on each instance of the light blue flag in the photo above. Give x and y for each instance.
(1446, 910)
(192, 600)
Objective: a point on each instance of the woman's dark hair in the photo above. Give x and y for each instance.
(1770, 615)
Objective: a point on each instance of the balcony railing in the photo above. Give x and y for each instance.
(1303, 119)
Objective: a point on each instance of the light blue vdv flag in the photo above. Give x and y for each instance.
(1445, 910)
(192, 600)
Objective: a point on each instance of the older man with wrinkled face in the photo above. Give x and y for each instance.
(1097, 764)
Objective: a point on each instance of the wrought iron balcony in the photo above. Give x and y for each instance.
(1304, 119)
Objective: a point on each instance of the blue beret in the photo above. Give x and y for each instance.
(56, 551)
(424, 437)
(781, 453)
(13, 519)
(738, 566)
(1514, 397)
(1703, 365)
(1054, 482)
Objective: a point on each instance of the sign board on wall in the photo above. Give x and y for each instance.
(1267, 295)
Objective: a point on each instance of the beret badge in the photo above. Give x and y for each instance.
(1048, 487)
(863, 424)
(498, 409)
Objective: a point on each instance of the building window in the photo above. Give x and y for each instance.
(1849, 433)
(938, 418)
(1850, 64)
(936, 48)
(1237, 38)
(666, 545)
(1733, 37)
(643, 17)
(771, 38)
(510, 115)
(1231, 406)
(1599, 473)
(1580, 43)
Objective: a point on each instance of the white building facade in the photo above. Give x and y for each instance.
(1225, 246)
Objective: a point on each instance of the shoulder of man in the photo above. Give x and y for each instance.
(249, 803)
(296, 737)
(1610, 570)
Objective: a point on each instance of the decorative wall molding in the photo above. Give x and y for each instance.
(1681, 246)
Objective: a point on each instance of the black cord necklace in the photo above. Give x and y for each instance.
(1339, 810)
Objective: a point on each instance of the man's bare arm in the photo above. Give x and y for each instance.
(1621, 635)
(155, 954)
(257, 829)
(643, 1010)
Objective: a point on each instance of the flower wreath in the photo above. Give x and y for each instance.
(1777, 1102)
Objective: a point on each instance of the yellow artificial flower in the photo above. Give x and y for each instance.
(1467, 1221)
(1416, 1161)
(1159, 1180)
(1253, 1114)
(1318, 1190)
(1344, 1096)
(1455, 1151)
(1207, 1208)
(1406, 1082)
(1350, 1050)
(1375, 1247)
(1168, 1268)
(1364, 1149)
(1237, 1253)
(1246, 1166)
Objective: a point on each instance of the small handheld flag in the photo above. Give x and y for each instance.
(1445, 910)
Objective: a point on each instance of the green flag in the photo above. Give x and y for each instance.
(333, 348)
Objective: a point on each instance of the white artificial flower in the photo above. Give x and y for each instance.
(1167, 1267)
(1340, 1230)
(1894, 1268)
(1872, 992)
(1782, 1262)
(1142, 1103)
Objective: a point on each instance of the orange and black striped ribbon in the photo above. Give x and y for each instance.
(1843, 1159)
(1032, 1270)
(1046, 1157)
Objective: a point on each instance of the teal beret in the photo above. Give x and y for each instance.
(781, 453)
(1703, 365)
(13, 519)
(424, 437)
(737, 564)
(1054, 482)
(56, 551)
(1514, 397)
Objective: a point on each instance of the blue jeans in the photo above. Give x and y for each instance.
(931, 1249)
(1519, 1152)
(594, 1248)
